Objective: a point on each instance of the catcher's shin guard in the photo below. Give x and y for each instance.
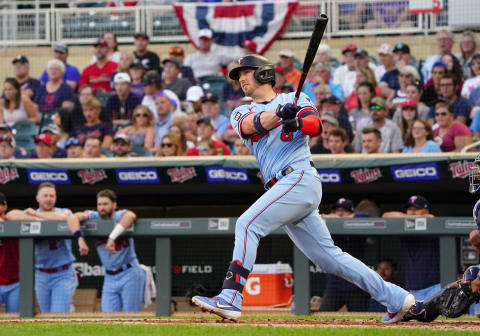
(234, 274)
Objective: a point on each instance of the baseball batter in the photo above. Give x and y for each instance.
(9, 264)
(277, 133)
(55, 278)
(124, 279)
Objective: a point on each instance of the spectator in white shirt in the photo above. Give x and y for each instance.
(345, 73)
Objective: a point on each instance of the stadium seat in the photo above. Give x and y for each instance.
(213, 84)
(103, 97)
(26, 142)
(120, 126)
(106, 152)
(25, 128)
(140, 152)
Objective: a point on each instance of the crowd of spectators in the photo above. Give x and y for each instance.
(139, 104)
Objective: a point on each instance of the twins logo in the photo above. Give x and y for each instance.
(92, 176)
(366, 175)
(181, 175)
(8, 174)
(460, 169)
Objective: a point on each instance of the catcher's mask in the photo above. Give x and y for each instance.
(264, 70)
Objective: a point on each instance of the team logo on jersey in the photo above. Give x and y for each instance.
(366, 175)
(92, 176)
(55, 176)
(181, 175)
(329, 176)
(460, 169)
(137, 176)
(228, 175)
(8, 174)
(418, 172)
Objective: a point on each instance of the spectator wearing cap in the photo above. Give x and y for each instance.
(414, 91)
(55, 93)
(461, 106)
(407, 75)
(468, 47)
(44, 147)
(249, 47)
(15, 106)
(346, 72)
(371, 140)
(54, 132)
(186, 72)
(335, 105)
(362, 59)
(137, 73)
(320, 145)
(337, 140)
(7, 131)
(121, 147)
(420, 138)
(112, 48)
(339, 292)
(165, 110)
(232, 91)
(211, 109)
(194, 96)
(388, 72)
(149, 59)
(121, 104)
(431, 93)
(7, 148)
(206, 62)
(93, 126)
(74, 148)
(450, 135)
(322, 75)
(21, 70)
(99, 74)
(409, 115)
(92, 148)
(287, 62)
(420, 255)
(206, 131)
(152, 84)
(391, 135)
(142, 132)
(403, 55)
(445, 44)
(172, 80)
(71, 76)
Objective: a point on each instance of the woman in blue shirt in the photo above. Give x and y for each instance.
(420, 139)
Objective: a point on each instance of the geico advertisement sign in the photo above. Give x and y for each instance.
(329, 176)
(253, 286)
(137, 176)
(228, 175)
(55, 176)
(417, 172)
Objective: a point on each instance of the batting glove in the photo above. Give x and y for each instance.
(287, 111)
(292, 125)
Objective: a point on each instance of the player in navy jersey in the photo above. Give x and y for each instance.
(124, 282)
(277, 132)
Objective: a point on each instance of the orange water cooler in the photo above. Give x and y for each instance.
(269, 285)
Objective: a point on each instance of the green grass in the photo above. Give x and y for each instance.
(201, 330)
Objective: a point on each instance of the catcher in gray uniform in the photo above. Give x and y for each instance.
(455, 299)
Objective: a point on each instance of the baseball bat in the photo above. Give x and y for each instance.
(315, 40)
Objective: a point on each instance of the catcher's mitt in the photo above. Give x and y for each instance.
(454, 302)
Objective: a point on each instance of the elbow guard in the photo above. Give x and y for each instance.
(311, 125)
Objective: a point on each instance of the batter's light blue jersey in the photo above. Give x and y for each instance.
(125, 246)
(52, 253)
(273, 155)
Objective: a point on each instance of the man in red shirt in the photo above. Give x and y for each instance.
(205, 131)
(9, 285)
(99, 74)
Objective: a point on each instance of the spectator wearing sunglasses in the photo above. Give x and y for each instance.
(74, 148)
(451, 135)
(186, 72)
(142, 132)
(391, 134)
(206, 147)
(170, 146)
(121, 146)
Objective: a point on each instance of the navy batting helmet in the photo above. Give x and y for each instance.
(264, 70)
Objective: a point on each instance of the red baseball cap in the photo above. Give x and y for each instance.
(250, 45)
(409, 103)
(45, 138)
(350, 48)
(100, 42)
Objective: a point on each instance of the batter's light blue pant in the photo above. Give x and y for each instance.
(9, 296)
(55, 291)
(292, 203)
(124, 291)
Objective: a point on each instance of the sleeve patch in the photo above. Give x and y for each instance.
(237, 116)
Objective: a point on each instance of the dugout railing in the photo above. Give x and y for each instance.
(164, 229)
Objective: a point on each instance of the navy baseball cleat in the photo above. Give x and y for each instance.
(218, 306)
(420, 313)
(408, 303)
